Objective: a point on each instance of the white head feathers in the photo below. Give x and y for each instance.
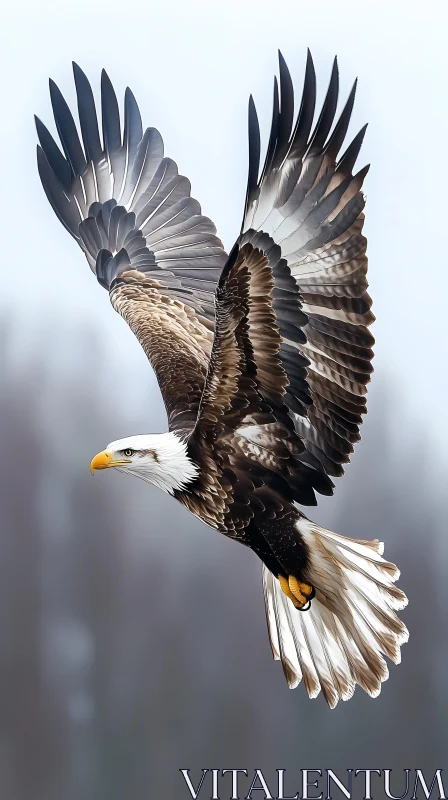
(159, 458)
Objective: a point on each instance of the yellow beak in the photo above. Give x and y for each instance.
(104, 460)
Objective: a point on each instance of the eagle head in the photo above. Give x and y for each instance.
(159, 458)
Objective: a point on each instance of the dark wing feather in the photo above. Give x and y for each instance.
(87, 116)
(66, 128)
(56, 161)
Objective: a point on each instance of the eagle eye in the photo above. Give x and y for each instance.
(128, 452)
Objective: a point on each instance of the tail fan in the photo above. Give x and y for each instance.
(351, 624)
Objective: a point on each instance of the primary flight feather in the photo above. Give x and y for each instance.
(262, 356)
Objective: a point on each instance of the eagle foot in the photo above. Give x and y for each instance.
(299, 593)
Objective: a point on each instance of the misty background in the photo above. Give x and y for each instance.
(133, 640)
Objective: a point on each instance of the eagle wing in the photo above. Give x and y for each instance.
(291, 357)
(310, 204)
(142, 233)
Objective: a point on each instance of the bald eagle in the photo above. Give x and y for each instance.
(262, 356)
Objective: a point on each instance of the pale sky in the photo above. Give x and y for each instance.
(191, 66)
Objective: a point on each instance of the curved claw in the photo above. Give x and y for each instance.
(299, 593)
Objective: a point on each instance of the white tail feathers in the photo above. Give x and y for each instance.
(341, 639)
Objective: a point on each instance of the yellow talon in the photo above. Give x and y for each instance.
(299, 593)
(285, 588)
(302, 591)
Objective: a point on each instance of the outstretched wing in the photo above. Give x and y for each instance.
(311, 205)
(143, 235)
(287, 378)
